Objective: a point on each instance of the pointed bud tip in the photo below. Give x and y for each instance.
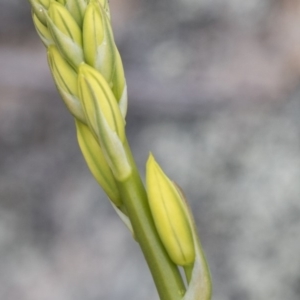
(152, 166)
(151, 160)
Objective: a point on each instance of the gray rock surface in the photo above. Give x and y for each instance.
(214, 93)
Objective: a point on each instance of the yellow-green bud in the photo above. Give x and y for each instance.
(96, 162)
(66, 82)
(39, 8)
(77, 9)
(169, 215)
(99, 47)
(98, 98)
(42, 31)
(66, 33)
(98, 43)
(104, 117)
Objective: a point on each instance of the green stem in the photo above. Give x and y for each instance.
(165, 273)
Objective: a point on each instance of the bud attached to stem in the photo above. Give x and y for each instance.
(96, 162)
(39, 8)
(66, 33)
(169, 215)
(104, 117)
(99, 47)
(66, 82)
(42, 31)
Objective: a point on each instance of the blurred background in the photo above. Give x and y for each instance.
(214, 93)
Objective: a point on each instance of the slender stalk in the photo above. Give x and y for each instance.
(165, 273)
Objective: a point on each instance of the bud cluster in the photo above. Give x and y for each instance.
(88, 73)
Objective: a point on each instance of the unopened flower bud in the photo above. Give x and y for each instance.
(66, 33)
(169, 214)
(42, 31)
(39, 8)
(99, 47)
(66, 82)
(104, 117)
(98, 43)
(96, 162)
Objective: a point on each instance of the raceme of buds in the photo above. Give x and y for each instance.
(96, 162)
(89, 75)
(66, 82)
(66, 33)
(104, 117)
(99, 47)
(169, 215)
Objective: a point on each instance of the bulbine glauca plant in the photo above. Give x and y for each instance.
(88, 73)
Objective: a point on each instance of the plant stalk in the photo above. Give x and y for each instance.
(165, 273)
